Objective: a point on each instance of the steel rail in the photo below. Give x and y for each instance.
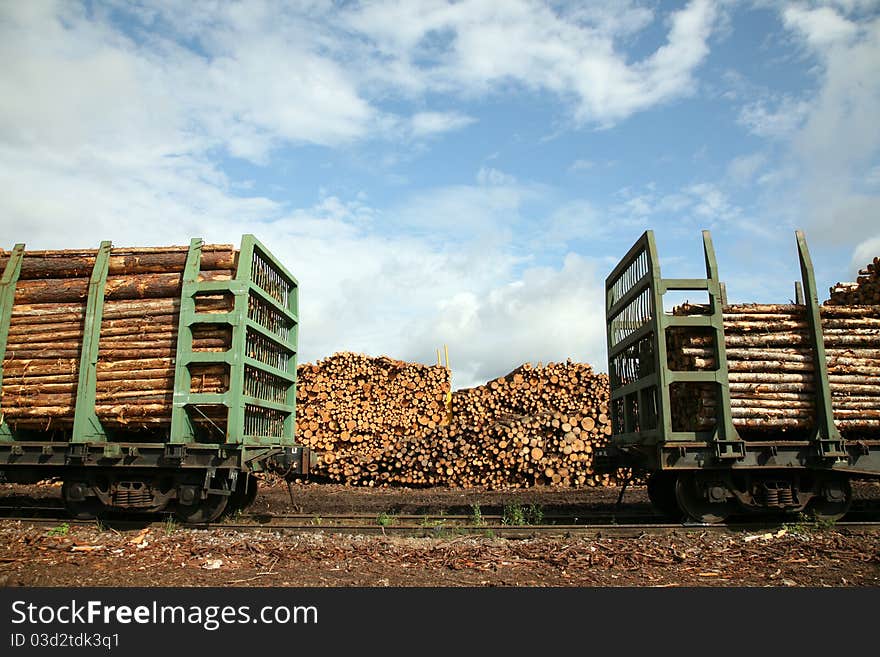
(631, 530)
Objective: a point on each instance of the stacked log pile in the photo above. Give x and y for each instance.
(536, 425)
(135, 372)
(771, 368)
(864, 292)
(369, 419)
(376, 421)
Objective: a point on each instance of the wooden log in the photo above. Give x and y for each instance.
(140, 286)
(43, 264)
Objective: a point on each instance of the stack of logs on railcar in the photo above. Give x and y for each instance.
(376, 421)
(771, 369)
(138, 335)
(865, 291)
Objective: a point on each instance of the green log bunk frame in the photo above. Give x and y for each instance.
(642, 432)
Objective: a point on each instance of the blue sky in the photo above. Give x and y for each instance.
(458, 173)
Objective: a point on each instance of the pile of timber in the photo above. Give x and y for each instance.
(138, 335)
(378, 421)
(864, 292)
(538, 425)
(771, 369)
(369, 418)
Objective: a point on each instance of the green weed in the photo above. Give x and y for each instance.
(534, 514)
(385, 519)
(516, 514)
(60, 530)
(513, 515)
(808, 523)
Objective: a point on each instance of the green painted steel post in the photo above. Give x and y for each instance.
(829, 443)
(728, 444)
(7, 299)
(290, 397)
(236, 426)
(610, 300)
(664, 405)
(86, 425)
(181, 424)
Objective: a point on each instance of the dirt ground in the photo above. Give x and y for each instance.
(794, 554)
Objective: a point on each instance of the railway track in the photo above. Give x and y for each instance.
(440, 525)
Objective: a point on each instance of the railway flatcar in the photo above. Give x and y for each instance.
(728, 408)
(149, 378)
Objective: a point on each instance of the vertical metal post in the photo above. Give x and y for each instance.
(86, 425)
(7, 298)
(727, 440)
(236, 419)
(664, 404)
(293, 341)
(827, 439)
(182, 430)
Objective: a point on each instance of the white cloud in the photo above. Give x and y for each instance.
(705, 203)
(774, 118)
(863, 254)
(547, 313)
(476, 47)
(822, 26)
(431, 123)
(490, 176)
(711, 203)
(838, 144)
(251, 78)
(743, 169)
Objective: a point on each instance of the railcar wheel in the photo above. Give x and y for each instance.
(244, 495)
(79, 505)
(693, 494)
(833, 500)
(661, 492)
(206, 510)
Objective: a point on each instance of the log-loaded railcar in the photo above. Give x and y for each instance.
(148, 378)
(739, 407)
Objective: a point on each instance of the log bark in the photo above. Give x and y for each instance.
(117, 288)
(42, 264)
(771, 365)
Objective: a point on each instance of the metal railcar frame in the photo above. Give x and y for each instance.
(260, 408)
(640, 377)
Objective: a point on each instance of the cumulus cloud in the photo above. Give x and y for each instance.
(548, 313)
(863, 254)
(475, 47)
(432, 123)
(704, 203)
(776, 118)
(838, 144)
(822, 26)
